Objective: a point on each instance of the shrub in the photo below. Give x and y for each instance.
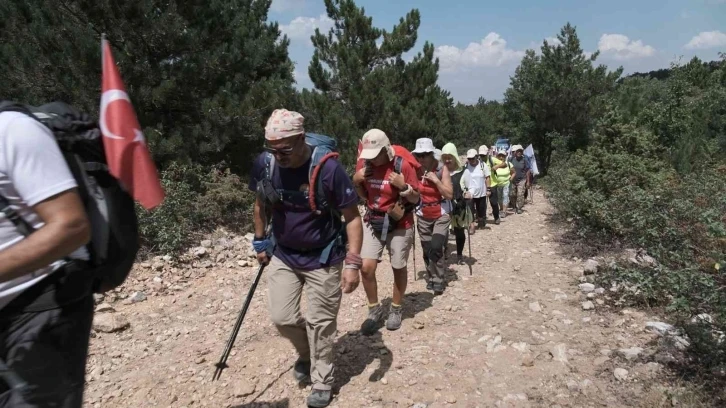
(198, 200)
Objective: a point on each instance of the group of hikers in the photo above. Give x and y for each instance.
(320, 243)
(309, 236)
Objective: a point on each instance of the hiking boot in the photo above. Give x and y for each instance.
(438, 288)
(460, 260)
(430, 285)
(519, 211)
(497, 221)
(395, 315)
(503, 214)
(370, 325)
(301, 371)
(320, 398)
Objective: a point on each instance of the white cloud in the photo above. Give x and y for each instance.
(492, 51)
(303, 27)
(621, 48)
(553, 41)
(280, 6)
(707, 39)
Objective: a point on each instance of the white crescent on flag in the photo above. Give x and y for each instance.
(107, 98)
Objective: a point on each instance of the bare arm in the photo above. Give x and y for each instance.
(354, 229)
(66, 229)
(259, 218)
(445, 187)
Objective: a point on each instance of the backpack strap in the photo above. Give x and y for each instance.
(317, 198)
(398, 164)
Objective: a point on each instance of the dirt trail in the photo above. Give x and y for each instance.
(513, 333)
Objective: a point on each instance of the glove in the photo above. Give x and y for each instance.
(261, 245)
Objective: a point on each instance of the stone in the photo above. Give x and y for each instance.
(200, 252)
(573, 386)
(660, 328)
(110, 322)
(528, 361)
(521, 347)
(104, 307)
(591, 267)
(601, 360)
(243, 263)
(451, 399)
(630, 353)
(591, 296)
(702, 318)
(384, 381)
(492, 345)
(586, 287)
(137, 297)
(559, 353)
(207, 243)
(600, 291)
(418, 325)
(244, 388)
(620, 374)
(588, 305)
(560, 296)
(535, 307)
(98, 298)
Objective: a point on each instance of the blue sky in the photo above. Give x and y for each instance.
(480, 43)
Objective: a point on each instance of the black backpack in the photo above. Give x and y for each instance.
(110, 209)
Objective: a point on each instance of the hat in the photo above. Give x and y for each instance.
(483, 150)
(502, 151)
(517, 147)
(471, 153)
(424, 145)
(373, 141)
(437, 154)
(284, 123)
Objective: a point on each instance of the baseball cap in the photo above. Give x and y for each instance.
(483, 150)
(373, 141)
(517, 147)
(424, 145)
(471, 153)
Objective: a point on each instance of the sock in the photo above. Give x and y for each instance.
(394, 305)
(372, 305)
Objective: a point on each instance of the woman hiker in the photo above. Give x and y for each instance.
(461, 215)
(433, 213)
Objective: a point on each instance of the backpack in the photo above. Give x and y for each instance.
(110, 209)
(323, 148)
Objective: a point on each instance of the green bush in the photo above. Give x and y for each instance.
(198, 200)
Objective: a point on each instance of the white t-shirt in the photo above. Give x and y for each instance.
(474, 179)
(32, 169)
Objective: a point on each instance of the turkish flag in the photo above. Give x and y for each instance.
(127, 155)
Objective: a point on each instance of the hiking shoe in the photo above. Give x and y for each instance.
(430, 285)
(370, 324)
(320, 398)
(438, 288)
(460, 260)
(497, 221)
(301, 371)
(395, 315)
(519, 211)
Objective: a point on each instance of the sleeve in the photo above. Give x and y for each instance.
(462, 180)
(339, 186)
(486, 171)
(256, 173)
(409, 174)
(35, 164)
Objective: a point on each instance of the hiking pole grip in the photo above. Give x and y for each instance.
(222, 364)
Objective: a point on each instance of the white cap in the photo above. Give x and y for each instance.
(471, 153)
(483, 150)
(373, 141)
(424, 145)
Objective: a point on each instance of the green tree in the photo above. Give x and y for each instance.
(203, 76)
(362, 68)
(559, 92)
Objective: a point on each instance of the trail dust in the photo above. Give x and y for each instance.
(513, 333)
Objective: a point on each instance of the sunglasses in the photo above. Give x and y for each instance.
(279, 152)
(422, 154)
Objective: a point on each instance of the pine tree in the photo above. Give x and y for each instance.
(203, 76)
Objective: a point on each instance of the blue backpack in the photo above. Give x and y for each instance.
(323, 148)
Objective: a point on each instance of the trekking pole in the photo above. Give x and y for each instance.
(222, 364)
(415, 271)
(468, 238)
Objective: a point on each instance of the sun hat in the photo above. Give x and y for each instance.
(483, 150)
(424, 145)
(471, 153)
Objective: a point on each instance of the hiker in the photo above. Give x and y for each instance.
(46, 302)
(309, 248)
(461, 215)
(488, 161)
(389, 186)
(433, 213)
(475, 182)
(503, 175)
(522, 173)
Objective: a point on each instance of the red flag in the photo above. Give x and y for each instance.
(127, 155)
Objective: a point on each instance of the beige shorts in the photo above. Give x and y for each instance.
(398, 243)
